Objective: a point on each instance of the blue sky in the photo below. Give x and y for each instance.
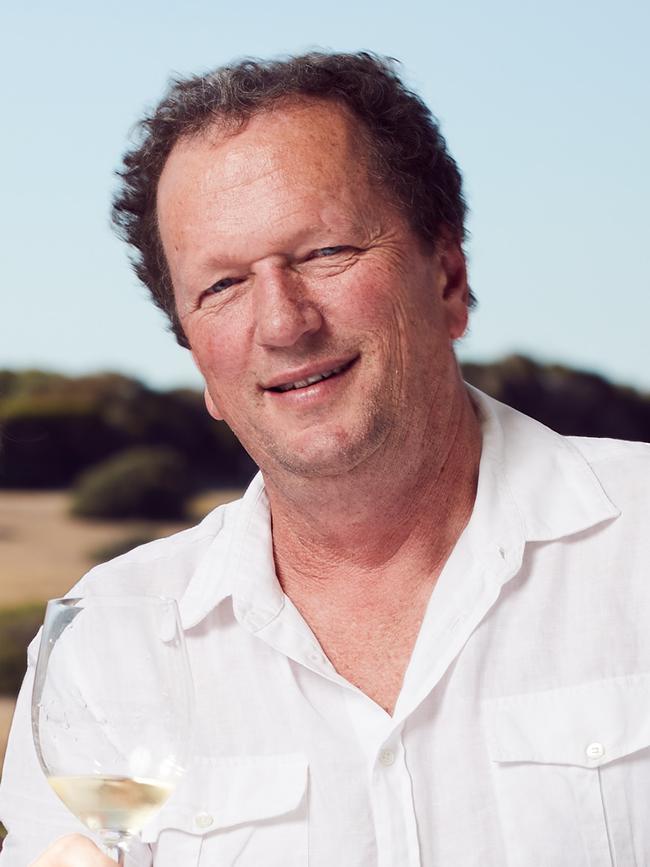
(544, 105)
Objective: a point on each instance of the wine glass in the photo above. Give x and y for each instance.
(111, 709)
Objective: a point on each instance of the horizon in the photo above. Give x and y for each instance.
(544, 109)
(198, 387)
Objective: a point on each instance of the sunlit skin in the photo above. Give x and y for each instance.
(287, 261)
(73, 850)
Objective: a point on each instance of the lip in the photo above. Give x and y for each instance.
(304, 372)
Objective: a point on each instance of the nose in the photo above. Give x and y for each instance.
(284, 312)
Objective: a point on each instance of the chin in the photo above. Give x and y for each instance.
(327, 454)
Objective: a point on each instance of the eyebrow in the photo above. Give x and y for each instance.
(312, 237)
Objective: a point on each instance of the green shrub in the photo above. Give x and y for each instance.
(149, 483)
(17, 628)
(54, 427)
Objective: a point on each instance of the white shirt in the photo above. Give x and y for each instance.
(521, 735)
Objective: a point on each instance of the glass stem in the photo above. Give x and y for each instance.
(117, 853)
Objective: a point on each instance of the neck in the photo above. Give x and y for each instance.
(398, 514)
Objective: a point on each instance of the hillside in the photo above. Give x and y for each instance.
(53, 427)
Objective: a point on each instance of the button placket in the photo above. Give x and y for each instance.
(393, 807)
(386, 757)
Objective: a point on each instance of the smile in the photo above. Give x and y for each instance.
(311, 380)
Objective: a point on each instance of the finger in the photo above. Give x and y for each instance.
(75, 850)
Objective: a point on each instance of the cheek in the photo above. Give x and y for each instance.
(218, 343)
(391, 313)
(364, 300)
(219, 360)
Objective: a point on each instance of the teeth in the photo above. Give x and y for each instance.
(301, 383)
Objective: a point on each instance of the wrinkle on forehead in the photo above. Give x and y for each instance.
(244, 155)
(282, 175)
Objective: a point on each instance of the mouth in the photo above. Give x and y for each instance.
(313, 379)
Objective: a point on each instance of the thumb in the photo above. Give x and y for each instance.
(75, 850)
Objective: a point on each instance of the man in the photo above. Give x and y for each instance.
(416, 639)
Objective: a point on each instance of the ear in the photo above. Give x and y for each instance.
(455, 291)
(212, 407)
(210, 404)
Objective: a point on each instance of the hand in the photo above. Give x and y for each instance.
(75, 850)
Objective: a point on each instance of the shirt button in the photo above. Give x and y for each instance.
(203, 820)
(595, 750)
(386, 758)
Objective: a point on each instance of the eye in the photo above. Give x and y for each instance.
(325, 252)
(220, 285)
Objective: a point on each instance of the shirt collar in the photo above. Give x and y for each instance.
(550, 483)
(239, 564)
(536, 480)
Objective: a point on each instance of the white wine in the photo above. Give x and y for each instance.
(121, 804)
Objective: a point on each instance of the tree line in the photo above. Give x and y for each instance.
(54, 427)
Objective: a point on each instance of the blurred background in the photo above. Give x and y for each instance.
(543, 104)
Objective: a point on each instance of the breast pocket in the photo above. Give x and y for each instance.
(243, 810)
(571, 773)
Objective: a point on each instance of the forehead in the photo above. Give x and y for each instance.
(288, 179)
(310, 144)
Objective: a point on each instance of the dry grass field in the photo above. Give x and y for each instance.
(44, 551)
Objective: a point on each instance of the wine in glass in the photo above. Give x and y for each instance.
(111, 709)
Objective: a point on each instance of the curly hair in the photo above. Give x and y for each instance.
(406, 150)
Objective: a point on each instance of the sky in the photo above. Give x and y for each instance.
(545, 106)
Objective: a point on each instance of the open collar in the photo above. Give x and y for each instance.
(535, 479)
(553, 488)
(239, 565)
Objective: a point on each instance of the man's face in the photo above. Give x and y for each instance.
(322, 328)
